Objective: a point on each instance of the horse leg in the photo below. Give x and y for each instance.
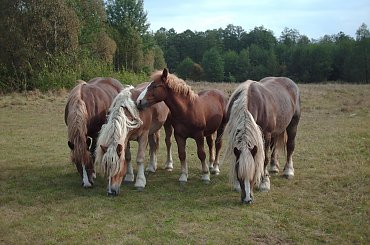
(218, 143)
(140, 178)
(291, 132)
(168, 131)
(274, 163)
(202, 157)
(209, 139)
(181, 144)
(265, 180)
(153, 147)
(130, 177)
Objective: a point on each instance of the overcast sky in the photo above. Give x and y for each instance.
(313, 18)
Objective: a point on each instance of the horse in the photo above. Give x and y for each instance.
(193, 116)
(126, 123)
(262, 116)
(85, 113)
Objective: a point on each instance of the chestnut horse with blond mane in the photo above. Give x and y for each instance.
(126, 123)
(262, 116)
(193, 116)
(85, 113)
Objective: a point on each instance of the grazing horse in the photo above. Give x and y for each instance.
(85, 113)
(193, 116)
(266, 111)
(125, 123)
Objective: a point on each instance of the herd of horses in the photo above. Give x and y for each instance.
(259, 120)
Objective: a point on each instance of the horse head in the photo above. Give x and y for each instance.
(155, 92)
(113, 137)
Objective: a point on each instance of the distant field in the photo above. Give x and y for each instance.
(42, 202)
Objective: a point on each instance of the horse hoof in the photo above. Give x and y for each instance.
(140, 189)
(86, 186)
(249, 202)
(206, 181)
(274, 170)
(215, 171)
(168, 169)
(288, 176)
(112, 193)
(288, 173)
(182, 183)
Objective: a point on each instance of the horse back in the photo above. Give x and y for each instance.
(98, 95)
(212, 105)
(273, 102)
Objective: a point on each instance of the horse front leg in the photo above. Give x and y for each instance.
(265, 180)
(168, 131)
(202, 157)
(130, 177)
(140, 178)
(181, 144)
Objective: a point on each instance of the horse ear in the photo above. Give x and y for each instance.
(254, 151)
(164, 74)
(103, 148)
(71, 145)
(119, 150)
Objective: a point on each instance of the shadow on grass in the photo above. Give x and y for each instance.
(48, 184)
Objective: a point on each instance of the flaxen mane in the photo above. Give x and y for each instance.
(115, 132)
(77, 121)
(178, 85)
(243, 133)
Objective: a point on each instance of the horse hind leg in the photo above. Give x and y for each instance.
(218, 144)
(202, 157)
(153, 140)
(291, 133)
(168, 131)
(210, 144)
(278, 144)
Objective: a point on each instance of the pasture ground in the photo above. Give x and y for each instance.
(42, 201)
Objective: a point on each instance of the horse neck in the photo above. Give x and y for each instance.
(178, 104)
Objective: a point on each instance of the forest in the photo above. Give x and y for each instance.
(48, 45)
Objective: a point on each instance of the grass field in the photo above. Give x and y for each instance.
(42, 202)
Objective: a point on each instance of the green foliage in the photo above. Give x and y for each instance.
(213, 66)
(188, 69)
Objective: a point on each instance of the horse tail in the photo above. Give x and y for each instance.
(280, 143)
(244, 134)
(77, 124)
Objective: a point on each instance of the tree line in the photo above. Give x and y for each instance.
(50, 44)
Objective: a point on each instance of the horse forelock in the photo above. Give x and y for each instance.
(176, 84)
(243, 133)
(77, 124)
(116, 131)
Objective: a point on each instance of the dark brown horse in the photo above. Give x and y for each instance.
(193, 116)
(274, 105)
(84, 115)
(126, 123)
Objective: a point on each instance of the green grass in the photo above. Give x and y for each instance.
(42, 202)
